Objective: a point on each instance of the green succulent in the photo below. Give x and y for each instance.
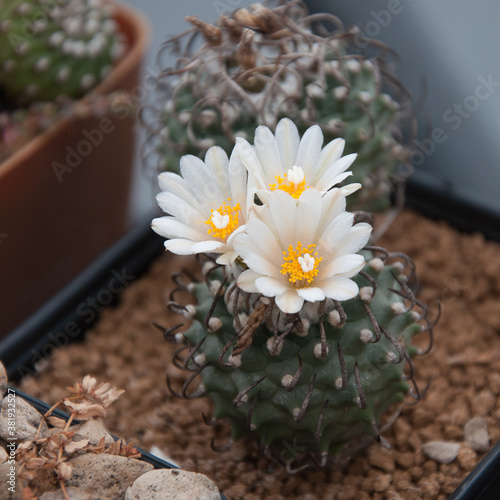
(52, 48)
(320, 380)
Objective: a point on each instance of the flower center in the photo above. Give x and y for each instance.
(293, 182)
(300, 264)
(223, 221)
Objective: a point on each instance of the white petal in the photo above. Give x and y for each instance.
(238, 181)
(328, 156)
(252, 254)
(336, 173)
(289, 302)
(345, 265)
(309, 150)
(168, 181)
(355, 240)
(268, 153)
(180, 209)
(180, 246)
(334, 203)
(265, 241)
(339, 288)
(209, 246)
(227, 258)
(351, 188)
(283, 210)
(250, 160)
(169, 227)
(246, 281)
(217, 161)
(311, 294)
(202, 180)
(337, 230)
(309, 208)
(259, 264)
(288, 139)
(270, 287)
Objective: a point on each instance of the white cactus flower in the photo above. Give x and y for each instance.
(207, 205)
(302, 249)
(286, 162)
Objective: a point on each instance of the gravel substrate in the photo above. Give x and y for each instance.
(461, 271)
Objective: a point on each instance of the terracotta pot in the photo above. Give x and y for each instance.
(53, 226)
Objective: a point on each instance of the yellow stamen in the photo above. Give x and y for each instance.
(293, 182)
(223, 221)
(300, 264)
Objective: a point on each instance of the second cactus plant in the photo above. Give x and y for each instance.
(52, 49)
(260, 64)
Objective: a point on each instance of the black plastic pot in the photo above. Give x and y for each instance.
(60, 321)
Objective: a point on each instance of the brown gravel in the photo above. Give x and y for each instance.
(462, 271)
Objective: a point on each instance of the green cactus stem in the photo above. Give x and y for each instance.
(321, 379)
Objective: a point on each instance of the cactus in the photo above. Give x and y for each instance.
(259, 65)
(52, 49)
(321, 384)
(301, 333)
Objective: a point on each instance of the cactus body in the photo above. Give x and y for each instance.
(324, 385)
(51, 49)
(260, 65)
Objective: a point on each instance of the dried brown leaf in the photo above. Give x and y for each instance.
(85, 410)
(64, 471)
(57, 422)
(76, 445)
(104, 393)
(27, 445)
(36, 463)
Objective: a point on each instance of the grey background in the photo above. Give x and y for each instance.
(451, 45)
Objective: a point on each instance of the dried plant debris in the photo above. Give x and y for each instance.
(43, 463)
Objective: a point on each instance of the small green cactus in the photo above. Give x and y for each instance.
(259, 65)
(320, 384)
(52, 49)
(301, 332)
